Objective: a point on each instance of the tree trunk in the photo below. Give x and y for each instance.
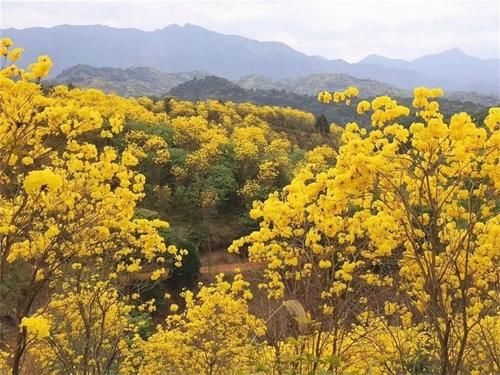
(20, 346)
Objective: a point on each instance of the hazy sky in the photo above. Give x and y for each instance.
(334, 29)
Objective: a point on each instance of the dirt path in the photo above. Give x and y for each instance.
(227, 267)
(213, 267)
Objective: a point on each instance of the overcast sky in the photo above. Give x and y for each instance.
(334, 29)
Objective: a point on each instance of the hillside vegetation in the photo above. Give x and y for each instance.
(211, 87)
(139, 81)
(312, 84)
(370, 247)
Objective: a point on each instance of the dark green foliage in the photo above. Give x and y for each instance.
(321, 124)
(144, 322)
(186, 275)
(163, 131)
(221, 180)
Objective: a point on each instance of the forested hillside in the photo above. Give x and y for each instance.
(138, 81)
(223, 156)
(369, 245)
(312, 84)
(218, 88)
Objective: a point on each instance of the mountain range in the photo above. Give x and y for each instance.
(139, 81)
(187, 48)
(143, 81)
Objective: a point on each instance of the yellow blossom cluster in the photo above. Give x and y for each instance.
(211, 133)
(8, 69)
(214, 334)
(204, 142)
(35, 181)
(339, 96)
(36, 325)
(370, 346)
(147, 146)
(231, 114)
(243, 125)
(96, 312)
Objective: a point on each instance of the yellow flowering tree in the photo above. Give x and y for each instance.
(215, 334)
(88, 322)
(67, 198)
(411, 212)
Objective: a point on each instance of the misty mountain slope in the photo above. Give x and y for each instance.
(139, 81)
(452, 69)
(192, 48)
(136, 81)
(314, 83)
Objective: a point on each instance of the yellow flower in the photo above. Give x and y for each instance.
(351, 92)
(389, 308)
(363, 106)
(159, 273)
(36, 325)
(6, 42)
(27, 160)
(15, 54)
(325, 97)
(325, 264)
(42, 67)
(42, 178)
(129, 159)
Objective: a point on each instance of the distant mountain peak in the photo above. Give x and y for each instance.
(374, 58)
(453, 52)
(384, 61)
(188, 25)
(172, 26)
